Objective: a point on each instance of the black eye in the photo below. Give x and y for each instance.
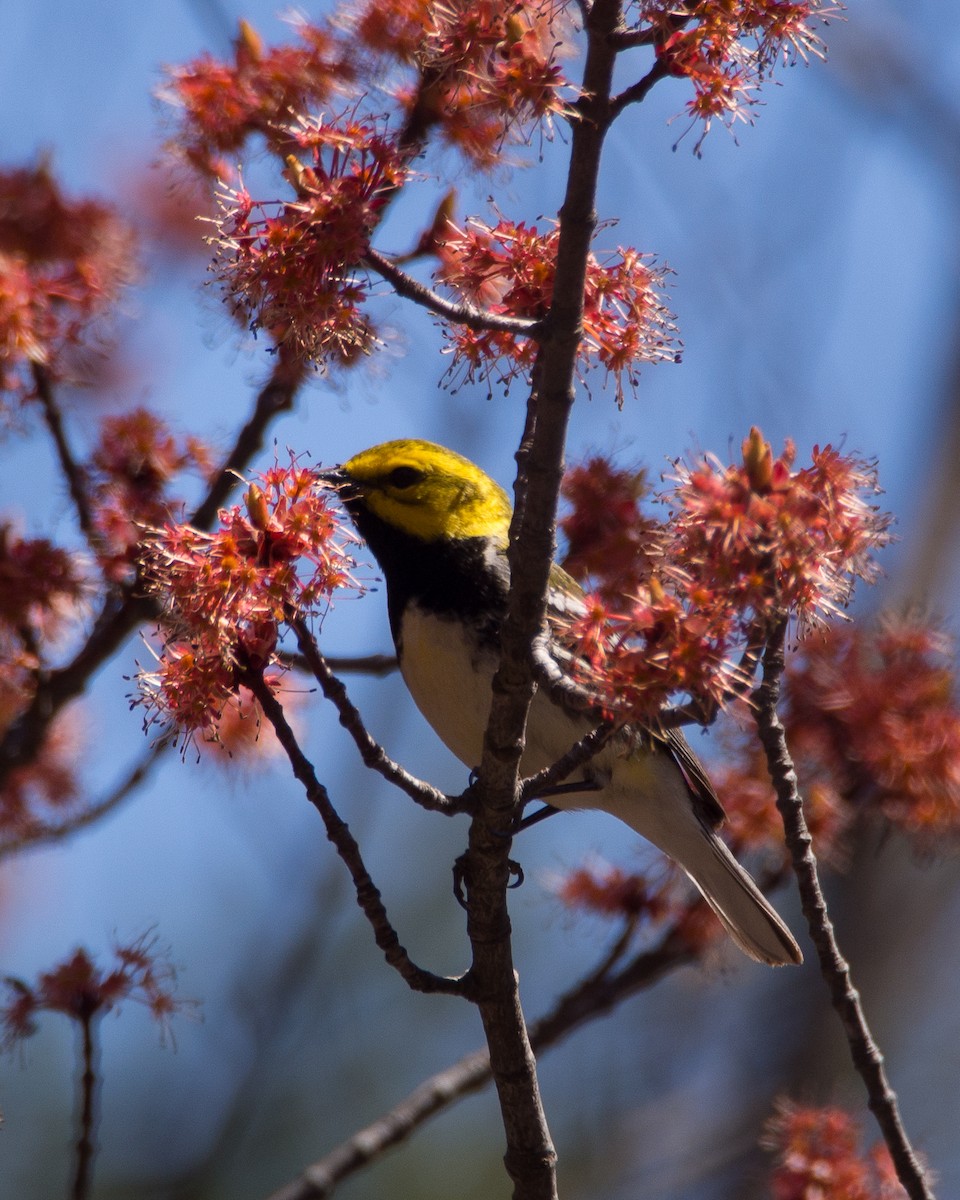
(404, 477)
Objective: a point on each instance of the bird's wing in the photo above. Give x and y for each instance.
(708, 805)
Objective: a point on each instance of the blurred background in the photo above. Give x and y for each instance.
(816, 289)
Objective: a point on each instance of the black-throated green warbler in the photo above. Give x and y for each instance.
(438, 526)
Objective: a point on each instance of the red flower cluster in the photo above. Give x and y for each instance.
(509, 269)
(227, 593)
(39, 587)
(872, 713)
(727, 49)
(611, 542)
(294, 269)
(479, 71)
(224, 104)
(485, 68)
(62, 266)
(129, 472)
(818, 1156)
(766, 537)
(79, 989)
(656, 905)
(743, 544)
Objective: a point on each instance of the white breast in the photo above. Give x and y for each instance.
(449, 679)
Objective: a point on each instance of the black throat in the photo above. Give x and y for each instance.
(448, 578)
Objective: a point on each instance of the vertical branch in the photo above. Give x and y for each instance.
(530, 1158)
(864, 1051)
(86, 1118)
(72, 471)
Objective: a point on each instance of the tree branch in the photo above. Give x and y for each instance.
(45, 834)
(539, 785)
(530, 1156)
(637, 92)
(368, 897)
(461, 314)
(85, 1148)
(72, 471)
(371, 752)
(596, 994)
(864, 1051)
(358, 664)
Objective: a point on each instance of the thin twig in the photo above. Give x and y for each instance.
(638, 91)
(371, 752)
(358, 664)
(461, 314)
(47, 833)
(864, 1051)
(368, 897)
(72, 471)
(86, 1116)
(536, 786)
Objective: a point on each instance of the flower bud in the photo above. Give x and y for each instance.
(757, 460)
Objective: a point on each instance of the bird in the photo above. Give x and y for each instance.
(438, 526)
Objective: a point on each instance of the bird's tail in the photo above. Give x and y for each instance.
(739, 904)
(653, 796)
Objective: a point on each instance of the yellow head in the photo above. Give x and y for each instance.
(425, 490)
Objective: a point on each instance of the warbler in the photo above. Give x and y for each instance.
(438, 527)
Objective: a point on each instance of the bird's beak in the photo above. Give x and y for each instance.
(332, 476)
(339, 481)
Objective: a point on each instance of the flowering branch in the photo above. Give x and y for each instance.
(84, 993)
(461, 314)
(530, 1157)
(864, 1051)
(124, 607)
(368, 897)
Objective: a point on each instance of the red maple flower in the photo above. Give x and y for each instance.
(509, 269)
(129, 475)
(873, 713)
(743, 544)
(63, 264)
(223, 104)
(726, 50)
(817, 1156)
(226, 593)
(612, 543)
(81, 990)
(295, 269)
